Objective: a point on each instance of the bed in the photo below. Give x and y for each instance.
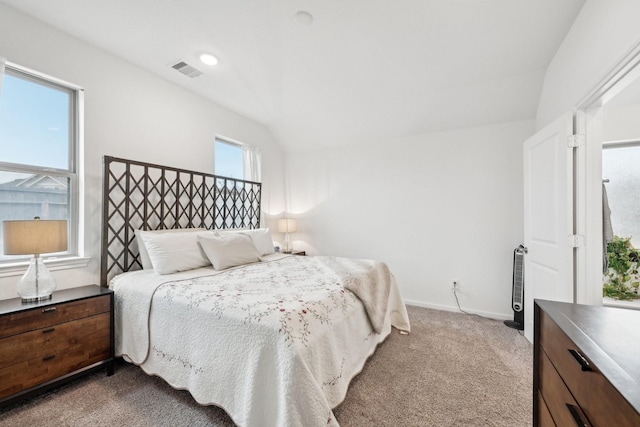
(203, 302)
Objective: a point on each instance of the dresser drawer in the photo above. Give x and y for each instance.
(544, 416)
(42, 317)
(556, 393)
(71, 346)
(600, 401)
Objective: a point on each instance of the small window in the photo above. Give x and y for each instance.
(621, 280)
(620, 168)
(39, 119)
(228, 159)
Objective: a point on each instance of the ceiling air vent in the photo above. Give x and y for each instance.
(187, 69)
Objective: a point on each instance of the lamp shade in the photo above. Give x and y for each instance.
(34, 237)
(287, 225)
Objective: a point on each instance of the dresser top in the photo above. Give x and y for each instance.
(608, 336)
(15, 305)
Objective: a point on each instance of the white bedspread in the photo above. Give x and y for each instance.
(274, 343)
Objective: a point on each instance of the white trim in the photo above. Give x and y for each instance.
(621, 143)
(589, 174)
(588, 207)
(230, 141)
(610, 302)
(44, 76)
(620, 76)
(80, 177)
(53, 264)
(454, 309)
(3, 63)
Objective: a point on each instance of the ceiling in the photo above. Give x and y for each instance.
(362, 71)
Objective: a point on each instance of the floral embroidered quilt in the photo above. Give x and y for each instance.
(273, 343)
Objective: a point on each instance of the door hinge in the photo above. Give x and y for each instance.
(576, 140)
(576, 241)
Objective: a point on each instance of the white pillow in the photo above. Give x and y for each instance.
(261, 240)
(142, 250)
(172, 252)
(228, 250)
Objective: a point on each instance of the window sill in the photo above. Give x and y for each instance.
(610, 302)
(18, 268)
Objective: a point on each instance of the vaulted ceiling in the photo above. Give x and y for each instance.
(362, 70)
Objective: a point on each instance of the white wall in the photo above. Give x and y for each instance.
(621, 122)
(129, 113)
(604, 31)
(434, 207)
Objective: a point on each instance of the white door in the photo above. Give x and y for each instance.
(548, 216)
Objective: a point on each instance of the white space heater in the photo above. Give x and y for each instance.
(517, 290)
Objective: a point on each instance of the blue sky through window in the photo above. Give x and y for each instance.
(34, 124)
(228, 160)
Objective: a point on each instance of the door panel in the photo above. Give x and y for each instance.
(548, 216)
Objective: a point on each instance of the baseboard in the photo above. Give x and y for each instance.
(490, 315)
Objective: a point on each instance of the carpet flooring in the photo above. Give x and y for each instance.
(454, 369)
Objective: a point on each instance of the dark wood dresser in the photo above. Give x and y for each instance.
(47, 343)
(586, 366)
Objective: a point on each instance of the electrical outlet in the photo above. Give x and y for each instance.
(456, 285)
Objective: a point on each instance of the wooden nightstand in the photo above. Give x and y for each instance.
(47, 343)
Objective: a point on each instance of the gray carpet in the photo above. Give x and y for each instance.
(453, 370)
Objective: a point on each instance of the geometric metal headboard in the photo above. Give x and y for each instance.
(145, 196)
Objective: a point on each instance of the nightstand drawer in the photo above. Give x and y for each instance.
(32, 358)
(42, 342)
(42, 317)
(591, 390)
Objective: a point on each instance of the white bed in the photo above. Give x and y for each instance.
(272, 339)
(274, 343)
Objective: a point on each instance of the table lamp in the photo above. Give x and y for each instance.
(287, 226)
(36, 236)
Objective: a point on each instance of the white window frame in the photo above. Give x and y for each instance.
(75, 257)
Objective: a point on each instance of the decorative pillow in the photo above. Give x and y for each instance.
(228, 250)
(261, 240)
(172, 252)
(142, 250)
(223, 231)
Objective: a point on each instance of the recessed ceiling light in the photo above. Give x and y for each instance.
(208, 59)
(304, 18)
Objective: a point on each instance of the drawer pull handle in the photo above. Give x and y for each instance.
(51, 356)
(47, 331)
(584, 363)
(49, 309)
(577, 417)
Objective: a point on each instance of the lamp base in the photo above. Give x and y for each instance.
(287, 244)
(37, 284)
(36, 299)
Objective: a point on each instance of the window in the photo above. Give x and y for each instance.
(621, 280)
(228, 159)
(620, 167)
(39, 138)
